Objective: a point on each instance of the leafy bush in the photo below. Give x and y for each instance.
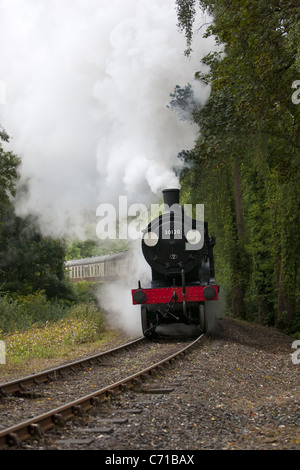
(82, 324)
(21, 311)
(83, 291)
(11, 315)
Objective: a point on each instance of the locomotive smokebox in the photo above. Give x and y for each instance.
(171, 197)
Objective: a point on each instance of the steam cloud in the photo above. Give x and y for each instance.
(87, 84)
(87, 87)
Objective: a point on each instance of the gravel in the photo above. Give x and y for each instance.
(240, 390)
(41, 398)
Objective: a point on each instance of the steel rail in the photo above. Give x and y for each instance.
(35, 427)
(19, 385)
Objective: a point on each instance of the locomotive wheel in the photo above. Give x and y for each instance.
(144, 318)
(146, 325)
(203, 318)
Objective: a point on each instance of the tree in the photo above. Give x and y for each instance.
(251, 126)
(29, 262)
(9, 163)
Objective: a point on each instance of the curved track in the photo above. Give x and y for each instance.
(36, 426)
(20, 385)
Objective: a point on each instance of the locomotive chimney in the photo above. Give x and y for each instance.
(171, 197)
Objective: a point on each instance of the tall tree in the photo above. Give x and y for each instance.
(9, 163)
(28, 261)
(251, 124)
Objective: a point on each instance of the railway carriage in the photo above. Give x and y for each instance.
(97, 268)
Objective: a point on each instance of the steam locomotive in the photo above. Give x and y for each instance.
(180, 254)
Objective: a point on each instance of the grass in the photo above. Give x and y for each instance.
(45, 341)
(21, 365)
(38, 334)
(76, 325)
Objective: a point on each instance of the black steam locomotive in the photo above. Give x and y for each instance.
(180, 254)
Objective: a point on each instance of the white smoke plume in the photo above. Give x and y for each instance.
(87, 86)
(115, 297)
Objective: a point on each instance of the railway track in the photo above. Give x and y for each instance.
(20, 386)
(35, 426)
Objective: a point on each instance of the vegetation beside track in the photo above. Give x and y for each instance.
(33, 327)
(244, 167)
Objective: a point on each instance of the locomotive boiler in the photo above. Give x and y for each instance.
(180, 254)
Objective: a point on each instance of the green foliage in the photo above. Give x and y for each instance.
(33, 326)
(82, 324)
(86, 311)
(84, 291)
(77, 249)
(186, 15)
(8, 173)
(22, 311)
(246, 161)
(82, 249)
(30, 262)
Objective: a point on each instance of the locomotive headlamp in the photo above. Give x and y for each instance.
(151, 239)
(209, 293)
(139, 296)
(193, 237)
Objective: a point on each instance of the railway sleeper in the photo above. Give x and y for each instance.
(77, 410)
(58, 420)
(3, 393)
(35, 430)
(29, 394)
(95, 401)
(12, 439)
